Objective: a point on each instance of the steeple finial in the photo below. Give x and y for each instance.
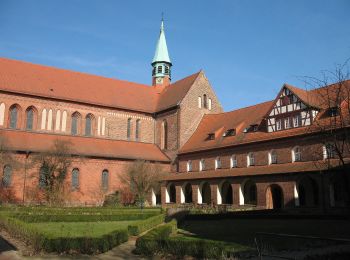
(161, 72)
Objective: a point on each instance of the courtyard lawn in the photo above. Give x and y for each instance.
(80, 229)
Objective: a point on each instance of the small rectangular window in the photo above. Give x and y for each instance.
(297, 120)
(229, 132)
(286, 123)
(199, 102)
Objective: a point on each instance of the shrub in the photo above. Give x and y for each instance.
(159, 240)
(112, 200)
(146, 224)
(83, 218)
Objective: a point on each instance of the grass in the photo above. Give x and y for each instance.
(80, 229)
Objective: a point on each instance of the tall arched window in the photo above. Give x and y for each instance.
(105, 179)
(164, 135)
(88, 125)
(250, 159)
(75, 178)
(296, 154)
(42, 177)
(128, 129)
(205, 101)
(137, 130)
(7, 176)
(13, 117)
(30, 118)
(75, 123)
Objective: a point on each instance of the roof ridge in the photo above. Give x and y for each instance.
(73, 71)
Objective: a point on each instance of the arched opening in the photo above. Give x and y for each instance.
(188, 193)
(274, 197)
(206, 193)
(137, 130)
(171, 196)
(105, 179)
(338, 192)
(75, 179)
(31, 118)
(128, 129)
(7, 176)
(164, 135)
(249, 193)
(205, 101)
(88, 124)
(226, 193)
(308, 192)
(76, 117)
(156, 197)
(14, 116)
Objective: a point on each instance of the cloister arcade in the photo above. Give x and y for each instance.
(304, 191)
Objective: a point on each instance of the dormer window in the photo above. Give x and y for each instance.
(254, 128)
(229, 132)
(333, 111)
(211, 136)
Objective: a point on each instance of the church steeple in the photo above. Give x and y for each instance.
(161, 73)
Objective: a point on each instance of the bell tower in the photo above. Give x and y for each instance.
(161, 64)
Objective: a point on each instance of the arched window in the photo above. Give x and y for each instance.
(272, 157)
(29, 118)
(75, 123)
(205, 101)
(233, 161)
(137, 130)
(189, 166)
(209, 103)
(13, 117)
(105, 179)
(42, 177)
(7, 176)
(202, 165)
(75, 178)
(88, 125)
(128, 129)
(250, 159)
(217, 163)
(164, 135)
(296, 154)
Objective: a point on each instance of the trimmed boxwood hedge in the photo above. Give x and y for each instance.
(32, 218)
(86, 245)
(159, 240)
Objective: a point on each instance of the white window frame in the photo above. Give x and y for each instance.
(201, 165)
(217, 163)
(189, 166)
(272, 160)
(294, 154)
(287, 123)
(278, 124)
(326, 154)
(296, 121)
(250, 159)
(233, 161)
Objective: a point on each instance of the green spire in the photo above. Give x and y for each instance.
(161, 54)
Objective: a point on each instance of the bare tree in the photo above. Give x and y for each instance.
(53, 165)
(141, 177)
(333, 123)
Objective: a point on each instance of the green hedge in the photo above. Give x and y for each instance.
(32, 218)
(85, 245)
(159, 240)
(144, 225)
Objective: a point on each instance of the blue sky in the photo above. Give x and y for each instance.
(247, 49)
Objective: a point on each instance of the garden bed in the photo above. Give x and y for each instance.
(78, 232)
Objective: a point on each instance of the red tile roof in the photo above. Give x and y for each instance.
(38, 80)
(244, 117)
(255, 170)
(84, 146)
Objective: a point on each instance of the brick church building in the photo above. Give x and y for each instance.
(270, 155)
